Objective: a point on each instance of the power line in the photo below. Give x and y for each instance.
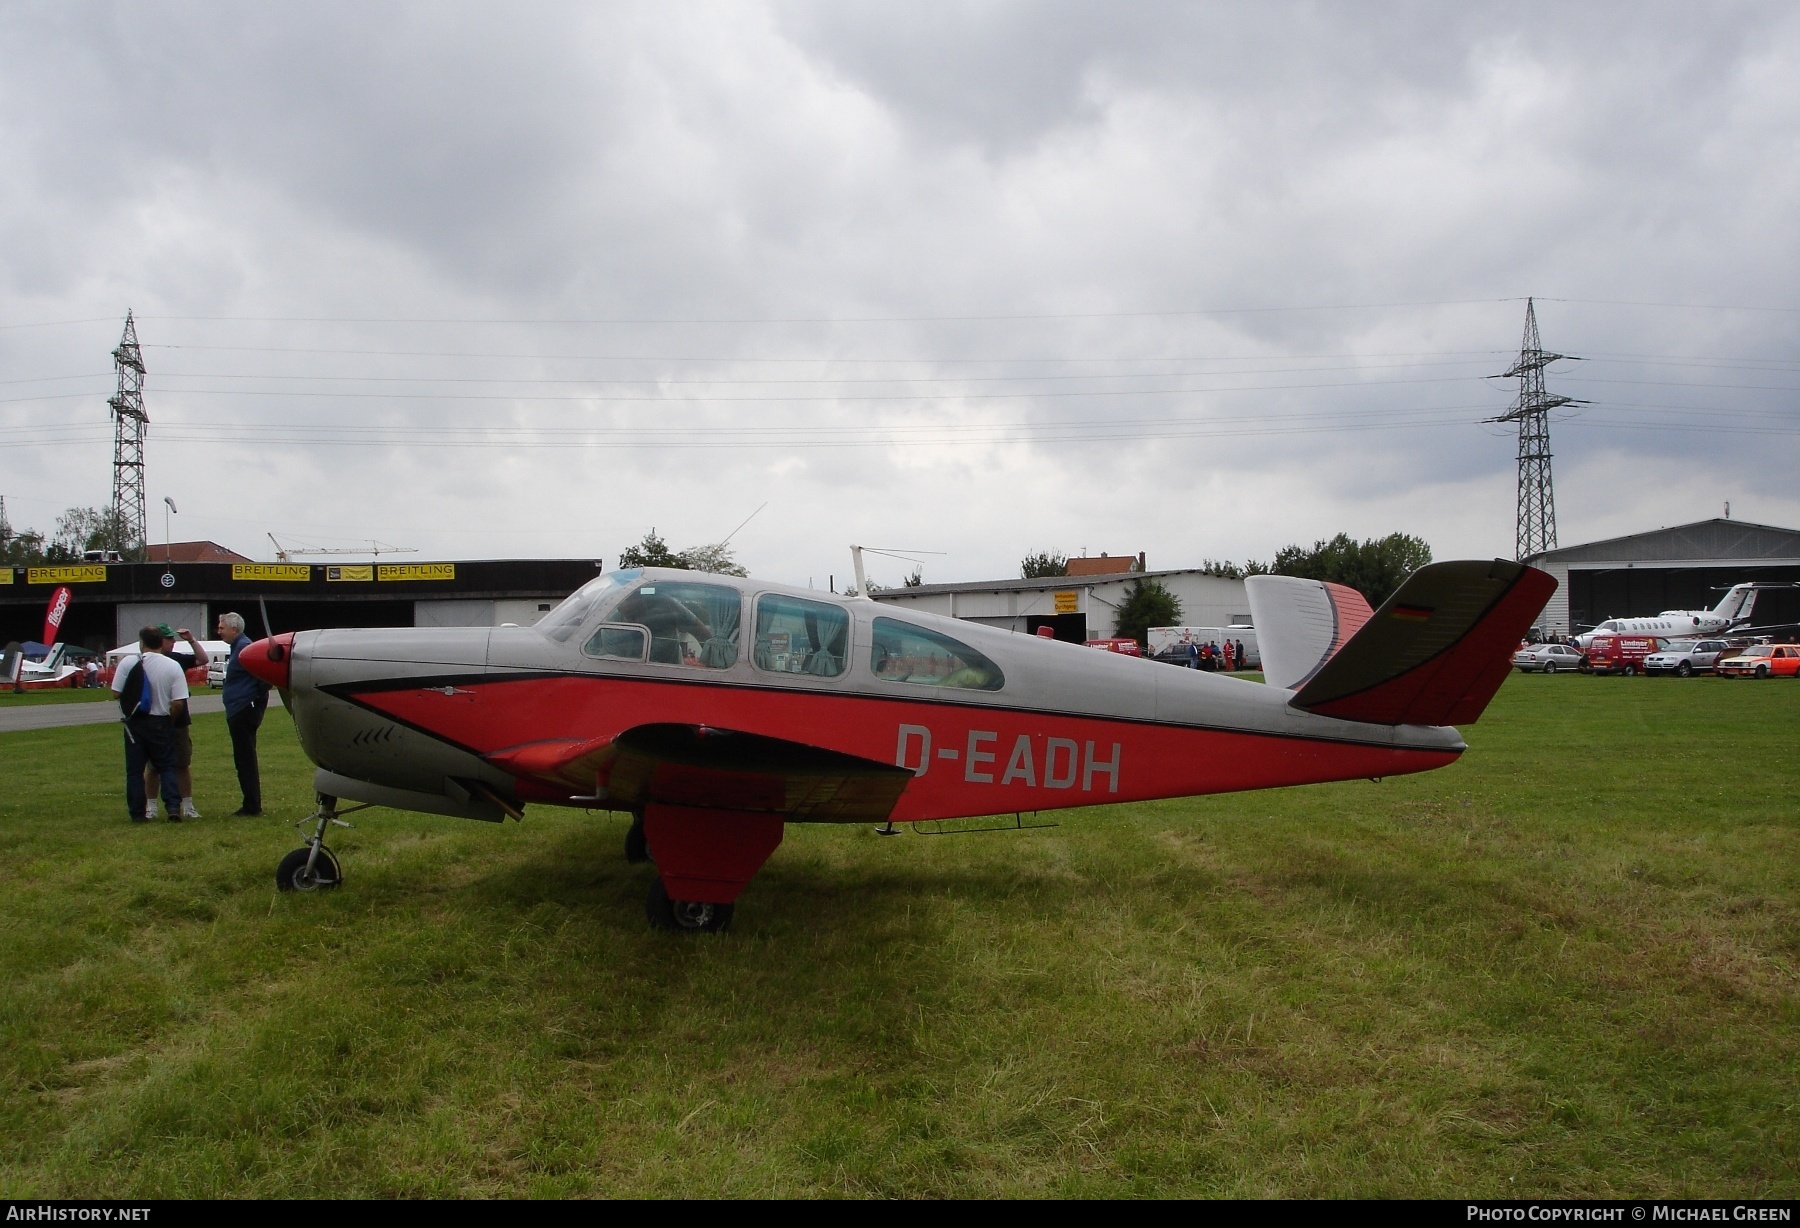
(973, 317)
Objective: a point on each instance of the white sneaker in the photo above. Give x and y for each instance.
(152, 810)
(187, 809)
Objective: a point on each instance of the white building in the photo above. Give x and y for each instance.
(1076, 607)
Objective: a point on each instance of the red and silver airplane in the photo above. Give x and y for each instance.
(715, 710)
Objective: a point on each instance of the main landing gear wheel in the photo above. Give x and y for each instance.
(637, 849)
(684, 916)
(301, 871)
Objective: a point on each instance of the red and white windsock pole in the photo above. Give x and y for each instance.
(53, 615)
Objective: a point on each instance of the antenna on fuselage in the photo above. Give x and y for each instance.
(856, 561)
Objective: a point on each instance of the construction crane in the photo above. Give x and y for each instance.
(287, 554)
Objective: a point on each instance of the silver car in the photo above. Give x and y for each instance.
(1547, 657)
(1685, 657)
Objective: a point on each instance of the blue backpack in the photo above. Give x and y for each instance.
(134, 696)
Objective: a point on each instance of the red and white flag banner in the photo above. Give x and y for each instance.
(53, 616)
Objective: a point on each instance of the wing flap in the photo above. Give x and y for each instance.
(695, 766)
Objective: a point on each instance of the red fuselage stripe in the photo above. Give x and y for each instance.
(968, 760)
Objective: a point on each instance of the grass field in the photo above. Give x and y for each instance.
(1568, 965)
(60, 695)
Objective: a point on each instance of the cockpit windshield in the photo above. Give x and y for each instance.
(585, 602)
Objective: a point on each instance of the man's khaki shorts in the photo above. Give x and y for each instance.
(184, 746)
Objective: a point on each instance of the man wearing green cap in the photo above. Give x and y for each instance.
(181, 723)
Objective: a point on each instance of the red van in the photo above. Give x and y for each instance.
(1620, 654)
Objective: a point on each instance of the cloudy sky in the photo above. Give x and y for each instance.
(1199, 280)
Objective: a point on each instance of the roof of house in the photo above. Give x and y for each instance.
(193, 552)
(1104, 565)
(1737, 541)
(1033, 585)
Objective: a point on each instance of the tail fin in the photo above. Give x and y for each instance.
(1300, 624)
(1436, 651)
(1737, 602)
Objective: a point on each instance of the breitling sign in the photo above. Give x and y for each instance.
(287, 573)
(415, 571)
(65, 575)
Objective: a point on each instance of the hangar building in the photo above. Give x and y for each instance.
(1686, 567)
(113, 600)
(1077, 607)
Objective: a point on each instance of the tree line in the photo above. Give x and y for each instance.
(77, 531)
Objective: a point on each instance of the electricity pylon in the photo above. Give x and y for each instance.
(128, 528)
(1537, 497)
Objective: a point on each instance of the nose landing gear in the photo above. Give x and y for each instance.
(314, 867)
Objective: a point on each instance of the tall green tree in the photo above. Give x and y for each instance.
(78, 530)
(1147, 604)
(1375, 568)
(1042, 563)
(653, 551)
(716, 559)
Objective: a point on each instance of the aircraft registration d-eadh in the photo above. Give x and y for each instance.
(1733, 610)
(715, 710)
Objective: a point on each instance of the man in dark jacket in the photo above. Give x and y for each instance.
(246, 699)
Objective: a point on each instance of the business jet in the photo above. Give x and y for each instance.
(1732, 611)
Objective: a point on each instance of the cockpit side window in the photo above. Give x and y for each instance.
(581, 605)
(798, 636)
(690, 624)
(901, 652)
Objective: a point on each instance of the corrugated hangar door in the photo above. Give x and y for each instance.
(453, 613)
(131, 617)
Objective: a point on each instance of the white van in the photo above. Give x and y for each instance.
(1171, 643)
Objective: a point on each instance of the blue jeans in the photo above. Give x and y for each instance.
(150, 740)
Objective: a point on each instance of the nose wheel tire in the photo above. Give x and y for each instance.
(292, 874)
(684, 916)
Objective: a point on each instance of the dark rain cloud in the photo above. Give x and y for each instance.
(1380, 184)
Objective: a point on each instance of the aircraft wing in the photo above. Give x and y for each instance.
(723, 769)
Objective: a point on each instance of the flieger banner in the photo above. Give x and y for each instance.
(53, 616)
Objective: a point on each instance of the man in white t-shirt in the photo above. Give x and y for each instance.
(159, 693)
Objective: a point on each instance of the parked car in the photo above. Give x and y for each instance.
(1763, 661)
(1620, 654)
(1127, 647)
(1547, 657)
(1685, 657)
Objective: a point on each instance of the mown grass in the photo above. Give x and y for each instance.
(60, 695)
(1565, 966)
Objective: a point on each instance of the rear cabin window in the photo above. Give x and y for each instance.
(690, 624)
(797, 636)
(902, 652)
